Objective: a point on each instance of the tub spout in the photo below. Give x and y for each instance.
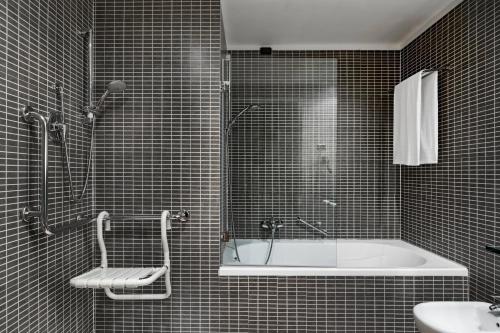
(496, 303)
(272, 224)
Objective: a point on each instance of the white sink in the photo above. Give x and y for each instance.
(456, 317)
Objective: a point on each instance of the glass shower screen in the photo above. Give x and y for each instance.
(279, 141)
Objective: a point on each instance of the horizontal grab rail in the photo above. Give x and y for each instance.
(309, 225)
(181, 216)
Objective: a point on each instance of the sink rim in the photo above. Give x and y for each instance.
(421, 309)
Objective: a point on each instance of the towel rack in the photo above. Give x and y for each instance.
(428, 71)
(109, 278)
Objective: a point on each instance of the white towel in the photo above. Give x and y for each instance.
(415, 120)
(429, 120)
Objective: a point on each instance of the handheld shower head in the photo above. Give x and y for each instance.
(116, 86)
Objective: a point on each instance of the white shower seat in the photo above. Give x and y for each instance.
(127, 277)
(102, 277)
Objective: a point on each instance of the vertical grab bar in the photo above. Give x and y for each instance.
(28, 213)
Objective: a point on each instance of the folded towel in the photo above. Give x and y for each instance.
(415, 120)
(429, 120)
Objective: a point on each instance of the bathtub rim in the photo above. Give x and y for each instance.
(439, 266)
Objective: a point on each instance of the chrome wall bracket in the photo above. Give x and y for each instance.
(182, 216)
(27, 114)
(29, 214)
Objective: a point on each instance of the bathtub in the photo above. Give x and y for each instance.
(335, 258)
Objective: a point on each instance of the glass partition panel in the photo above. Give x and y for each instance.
(279, 165)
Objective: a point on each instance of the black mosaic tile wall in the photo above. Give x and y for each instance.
(323, 132)
(367, 184)
(330, 304)
(39, 46)
(452, 208)
(158, 148)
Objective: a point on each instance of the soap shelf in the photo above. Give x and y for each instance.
(493, 248)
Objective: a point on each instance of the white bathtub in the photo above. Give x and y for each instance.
(335, 258)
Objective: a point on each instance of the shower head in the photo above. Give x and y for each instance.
(116, 86)
(250, 107)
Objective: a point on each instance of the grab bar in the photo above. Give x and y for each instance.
(309, 225)
(28, 214)
(181, 216)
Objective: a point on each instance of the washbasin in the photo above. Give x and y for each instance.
(456, 317)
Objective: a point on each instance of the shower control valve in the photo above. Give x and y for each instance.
(57, 131)
(272, 224)
(182, 216)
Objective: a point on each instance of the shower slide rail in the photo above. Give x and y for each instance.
(30, 214)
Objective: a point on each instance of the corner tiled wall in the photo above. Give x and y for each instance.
(323, 132)
(39, 46)
(452, 208)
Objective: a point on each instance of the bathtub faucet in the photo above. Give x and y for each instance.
(496, 303)
(272, 224)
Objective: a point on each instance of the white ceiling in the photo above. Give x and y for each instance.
(329, 24)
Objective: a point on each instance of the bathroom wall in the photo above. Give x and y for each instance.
(323, 132)
(451, 208)
(158, 148)
(39, 47)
